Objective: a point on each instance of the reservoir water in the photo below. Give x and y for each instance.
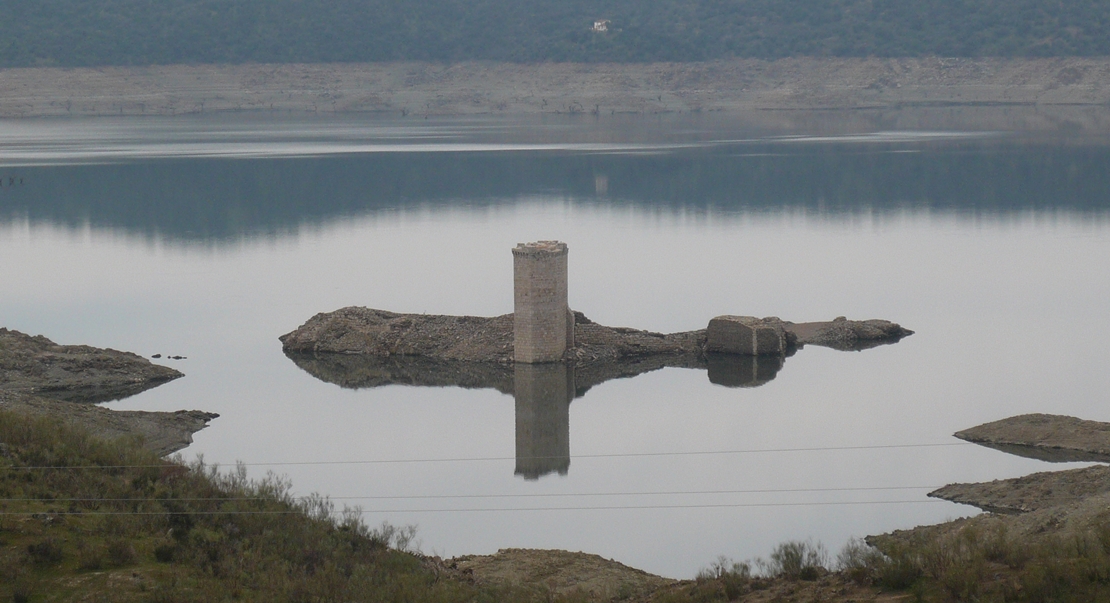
(208, 237)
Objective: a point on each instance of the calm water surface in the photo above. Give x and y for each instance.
(210, 237)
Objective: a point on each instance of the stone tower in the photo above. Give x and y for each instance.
(543, 326)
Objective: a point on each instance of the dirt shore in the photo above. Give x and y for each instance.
(422, 89)
(1052, 438)
(74, 373)
(40, 377)
(574, 576)
(1035, 507)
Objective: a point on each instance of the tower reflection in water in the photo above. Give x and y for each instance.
(543, 393)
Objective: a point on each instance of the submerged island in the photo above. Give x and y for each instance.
(545, 355)
(544, 330)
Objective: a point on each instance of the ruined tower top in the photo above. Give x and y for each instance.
(540, 247)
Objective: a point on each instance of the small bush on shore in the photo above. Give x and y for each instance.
(797, 560)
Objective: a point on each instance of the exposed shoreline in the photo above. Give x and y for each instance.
(40, 377)
(474, 88)
(1036, 507)
(1031, 509)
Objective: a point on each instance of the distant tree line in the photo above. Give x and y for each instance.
(145, 32)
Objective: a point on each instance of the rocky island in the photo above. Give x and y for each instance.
(365, 347)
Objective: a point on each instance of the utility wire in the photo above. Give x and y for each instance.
(498, 510)
(531, 458)
(473, 496)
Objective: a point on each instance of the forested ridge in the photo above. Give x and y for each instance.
(146, 32)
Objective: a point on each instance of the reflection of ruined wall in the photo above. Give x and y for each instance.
(735, 370)
(543, 395)
(542, 327)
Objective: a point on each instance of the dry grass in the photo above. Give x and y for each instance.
(156, 530)
(110, 522)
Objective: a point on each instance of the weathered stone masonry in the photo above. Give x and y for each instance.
(543, 326)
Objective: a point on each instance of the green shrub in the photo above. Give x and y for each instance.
(121, 552)
(89, 558)
(45, 552)
(860, 561)
(733, 577)
(798, 560)
(215, 533)
(898, 572)
(165, 553)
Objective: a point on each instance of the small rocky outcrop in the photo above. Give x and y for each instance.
(362, 347)
(848, 335)
(75, 373)
(1053, 438)
(1031, 492)
(372, 332)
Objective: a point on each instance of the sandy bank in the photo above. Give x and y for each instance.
(421, 89)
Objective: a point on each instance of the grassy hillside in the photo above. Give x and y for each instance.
(110, 522)
(144, 32)
(82, 519)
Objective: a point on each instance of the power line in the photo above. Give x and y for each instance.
(498, 510)
(531, 458)
(473, 496)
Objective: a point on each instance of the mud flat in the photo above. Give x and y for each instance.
(40, 377)
(422, 89)
(161, 432)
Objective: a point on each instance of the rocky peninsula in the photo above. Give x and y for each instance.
(40, 377)
(74, 373)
